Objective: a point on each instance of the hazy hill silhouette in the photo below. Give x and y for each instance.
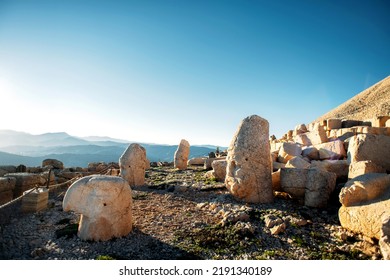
(23, 148)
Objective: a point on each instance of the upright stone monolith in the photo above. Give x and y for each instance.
(132, 164)
(248, 171)
(181, 155)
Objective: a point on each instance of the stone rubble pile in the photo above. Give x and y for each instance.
(310, 161)
(14, 181)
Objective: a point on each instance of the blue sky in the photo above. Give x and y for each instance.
(160, 71)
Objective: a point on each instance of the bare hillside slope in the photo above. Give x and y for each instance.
(372, 102)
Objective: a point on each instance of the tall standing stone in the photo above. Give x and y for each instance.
(132, 164)
(181, 155)
(248, 171)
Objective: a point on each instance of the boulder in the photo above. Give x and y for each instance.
(208, 163)
(302, 139)
(181, 155)
(196, 161)
(384, 241)
(358, 168)
(7, 186)
(277, 165)
(54, 163)
(350, 123)
(248, 172)
(24, 182)
(288, 151)
(316, 136)
(380, 121)
(333, 124)
(364, 188)
(219, 167)
(370, 147)
(331, 150)
(132, 164)
(311, 153)
(276, 181)
(339, 167)
(35, 201)
(293, 181)
(274, 156)
(299, 129)
(105, 205)
(5, 169)
(275, 147)
(297, 162)
(366, 217)
(319, 186)
(21, 168)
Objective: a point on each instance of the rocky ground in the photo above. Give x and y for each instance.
(183, 215)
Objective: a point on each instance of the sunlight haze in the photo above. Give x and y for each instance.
(161, 71)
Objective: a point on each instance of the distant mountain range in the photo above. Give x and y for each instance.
(24, 148)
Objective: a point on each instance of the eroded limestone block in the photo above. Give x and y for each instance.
(364, 188)
(319, 186)
(105, 205)
(181, 155)
(132, 164)
(248, 173)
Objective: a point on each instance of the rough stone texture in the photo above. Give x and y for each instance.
(299, 129)
(181, 155)
(6, 196)
(219, 167)
(311, 153)
(297, 162)
(35, 201)
(7, 186)
(331, 150)
(366, 218)
(380, 121)
(364, 167)
(314, 137)
(248, 173)
(370, 147)
(132, 164)
(384, 241)
(56, 164)
(333, 124)
(293, 181)
(276, 181)
(24, 182)
(196, 161)
(105, 203)
(288, 151)
(274, 156)
(277, 165)
(339, 167)
(275, 147)
(302, 139)
(364, 188)
(5, 169)
(319, 186)
(208, 162)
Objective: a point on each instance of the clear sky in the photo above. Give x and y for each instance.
(159, 71)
